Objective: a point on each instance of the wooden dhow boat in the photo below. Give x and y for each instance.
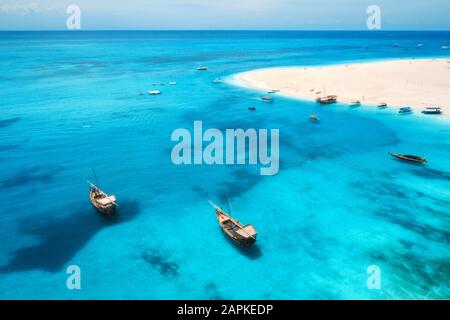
(104, 203)
(243, 235)
(327, 99)
(410, 158)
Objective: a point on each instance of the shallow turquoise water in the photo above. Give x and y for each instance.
(69, 102)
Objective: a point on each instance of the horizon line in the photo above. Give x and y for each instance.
(228, 30)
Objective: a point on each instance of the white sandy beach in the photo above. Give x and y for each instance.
(415, 83)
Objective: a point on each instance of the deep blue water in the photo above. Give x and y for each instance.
(69, 102)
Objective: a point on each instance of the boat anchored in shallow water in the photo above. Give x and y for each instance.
(154, 92)
(243, 235)
(382, 105)
(267, 99)
(327, 99)
(432, 110)
(202, 68)
(314, 118)
(104, 203)
(354, 104)
(405, 110)
(409, 158)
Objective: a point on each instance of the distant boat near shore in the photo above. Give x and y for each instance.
(327, 99)
(267, 99)
(432, 110)
(202, 69)
(354, 104)
(217, 80)
(382, 105)
(154, 92)
(314, 118)
(405, 110)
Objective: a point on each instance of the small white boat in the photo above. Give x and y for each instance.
(354, 104)
(314, 118)
(154, 92)
(267, 99)
(172, 83)
(217, 80)
(202, 68)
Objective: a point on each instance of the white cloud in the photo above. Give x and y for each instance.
(24, 7)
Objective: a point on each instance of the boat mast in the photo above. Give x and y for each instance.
(228, 204)
(95, 177)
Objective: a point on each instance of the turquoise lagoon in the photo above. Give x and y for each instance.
(69, 102)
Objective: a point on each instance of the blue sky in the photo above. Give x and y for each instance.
(225, 14)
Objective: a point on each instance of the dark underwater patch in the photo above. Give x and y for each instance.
(8, 147)
(429, 173)
(421, 275)
(29, 176)
(406, 219)
(212, 292)
(160, 262)
(7, 122)
(61, 238)
(241, 182)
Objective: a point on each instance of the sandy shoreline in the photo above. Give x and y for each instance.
(416, 83)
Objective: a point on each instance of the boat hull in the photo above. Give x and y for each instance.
(408, 158)
(223, 220)
(106, 210)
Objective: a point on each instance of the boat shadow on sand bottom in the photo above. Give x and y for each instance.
(253, 252)
(61, 238)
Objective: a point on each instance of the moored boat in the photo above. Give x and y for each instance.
(432, 110)
(354, 104)
(202, 68)
(410, 158)
(154, 92)
(252, 108)
(104, 203)
(382, 105)
(405, 110)
(267, 99)
(327, 99)
(217, 81)
(243, 235)
(314, 118)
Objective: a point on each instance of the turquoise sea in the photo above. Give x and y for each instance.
(69, 103)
